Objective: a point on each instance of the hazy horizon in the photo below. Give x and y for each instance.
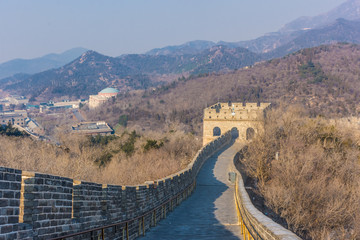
(32, 29)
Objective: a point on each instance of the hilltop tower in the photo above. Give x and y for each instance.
(244, 120)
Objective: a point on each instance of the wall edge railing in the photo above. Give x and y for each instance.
(254, 224)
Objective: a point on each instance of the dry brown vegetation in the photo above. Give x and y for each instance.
(308, 171)
(314, 182)
(102, 161)
(329, 87)
(55, 123)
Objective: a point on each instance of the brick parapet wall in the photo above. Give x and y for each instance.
(10, 185)
(259, 226)
(42, 206)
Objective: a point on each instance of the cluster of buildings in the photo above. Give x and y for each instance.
(64, 104)
(15, 100)
(19, 118)
(15, 118)
(9, 102)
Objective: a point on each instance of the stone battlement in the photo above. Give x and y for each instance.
(235, 111)
(244, 120)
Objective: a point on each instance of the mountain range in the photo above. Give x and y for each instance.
(92, 71)
(349, 10)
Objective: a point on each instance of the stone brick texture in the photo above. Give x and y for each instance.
(57, 206)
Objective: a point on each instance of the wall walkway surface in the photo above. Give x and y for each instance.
(210, 212)
(42, 206)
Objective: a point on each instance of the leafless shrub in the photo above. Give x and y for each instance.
(75, 158)
(314, 181)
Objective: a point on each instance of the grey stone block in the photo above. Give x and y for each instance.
(6, 229)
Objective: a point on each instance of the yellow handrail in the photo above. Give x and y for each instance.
(247, 234)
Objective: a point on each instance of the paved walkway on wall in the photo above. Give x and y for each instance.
(210, 212)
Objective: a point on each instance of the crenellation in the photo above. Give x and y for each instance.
(237, 117)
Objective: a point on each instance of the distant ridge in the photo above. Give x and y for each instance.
(340, 31)
(35, 65)
(192, 47)
(349, 10)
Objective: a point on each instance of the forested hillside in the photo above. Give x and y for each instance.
(325, 80)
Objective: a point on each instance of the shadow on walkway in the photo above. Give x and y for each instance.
(210, 212)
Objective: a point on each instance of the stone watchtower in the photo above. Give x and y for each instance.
(244, 120)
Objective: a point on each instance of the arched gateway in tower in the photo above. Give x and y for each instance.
(243, 120)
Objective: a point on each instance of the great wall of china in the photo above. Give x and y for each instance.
(42, 206)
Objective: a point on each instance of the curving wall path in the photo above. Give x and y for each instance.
(41, 206)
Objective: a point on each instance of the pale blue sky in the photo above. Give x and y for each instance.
(34, 28)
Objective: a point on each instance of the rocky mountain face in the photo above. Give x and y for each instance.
(269, 42)
(340, 31)
(87, 74)
(349, 10)
(222, 59)
(192, 47)
(298, 28)
(214, 59)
